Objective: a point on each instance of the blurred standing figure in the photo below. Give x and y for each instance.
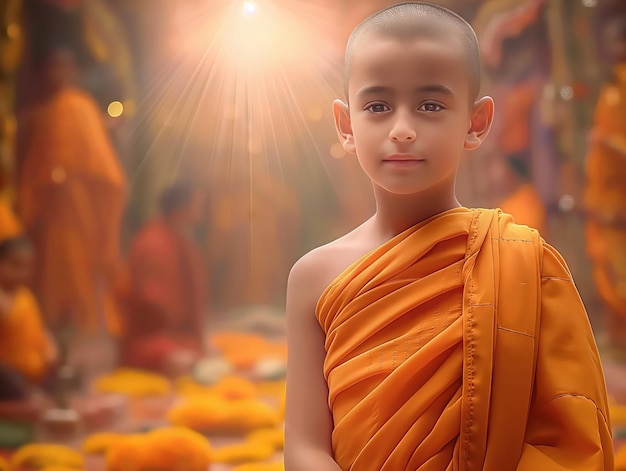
(605, 192)
(165, 297)
(71, 195)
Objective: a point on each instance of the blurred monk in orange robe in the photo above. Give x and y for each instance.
(71, 195)
(605, 192)
(165, 298)
(522, 202)
(27, 350)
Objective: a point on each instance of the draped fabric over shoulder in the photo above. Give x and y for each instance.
(432, 349)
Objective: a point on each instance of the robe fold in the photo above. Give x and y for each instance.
(462, 344)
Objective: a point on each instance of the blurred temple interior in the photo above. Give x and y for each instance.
(164, 163)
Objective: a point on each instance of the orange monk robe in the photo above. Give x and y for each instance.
(165, 300)
(605, 200)
(25, 346)
(526, 207)
(462, 344)
(71, 197)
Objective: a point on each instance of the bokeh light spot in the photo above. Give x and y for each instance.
(115, 109)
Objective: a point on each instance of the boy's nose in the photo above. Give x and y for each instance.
(402, 131)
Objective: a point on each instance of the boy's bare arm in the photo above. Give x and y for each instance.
(308, 422)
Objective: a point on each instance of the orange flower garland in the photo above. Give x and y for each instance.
(168, 449)
(217, 415)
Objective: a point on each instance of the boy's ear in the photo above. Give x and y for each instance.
(480, 123)
(341, 112)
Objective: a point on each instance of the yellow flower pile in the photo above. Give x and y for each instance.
(243, 350)
(248, 452)
(134, 383)
(213, 414)
(4, 464)
(41, 456)
(620, 459)
(275, 437)
(261, 467)
(168, 449)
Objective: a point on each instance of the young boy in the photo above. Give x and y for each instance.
(434, 337)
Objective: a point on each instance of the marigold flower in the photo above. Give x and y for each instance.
(168, 449)
(217, 415)
(127, 454)
(241, 453)
(272, 388)
(275, 437)
(135, 383)
(235, 387)
(99, 443)
(40, 456)
(261, 467)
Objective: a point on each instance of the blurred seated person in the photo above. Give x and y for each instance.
(522, 201)
(27, 351)
(164, 299)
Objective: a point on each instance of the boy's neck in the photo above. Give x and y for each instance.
(397, 213)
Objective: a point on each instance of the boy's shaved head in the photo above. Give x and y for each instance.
(410, 20)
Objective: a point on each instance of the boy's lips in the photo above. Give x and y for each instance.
(401, 159)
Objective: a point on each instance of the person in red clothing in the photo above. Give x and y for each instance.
(164, 299)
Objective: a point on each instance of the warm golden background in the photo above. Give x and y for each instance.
(235, 97)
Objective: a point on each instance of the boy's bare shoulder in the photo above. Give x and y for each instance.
(312, 273)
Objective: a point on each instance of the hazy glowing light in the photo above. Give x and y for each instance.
(249, 8)
(115, 109)
(315, 113)
(337, 150)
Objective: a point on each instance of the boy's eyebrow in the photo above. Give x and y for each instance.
(434, 88)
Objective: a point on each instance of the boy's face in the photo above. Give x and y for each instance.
(16, 267)
(410, 111)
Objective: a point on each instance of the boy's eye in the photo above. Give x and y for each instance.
(377, 108)
(430, 107)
